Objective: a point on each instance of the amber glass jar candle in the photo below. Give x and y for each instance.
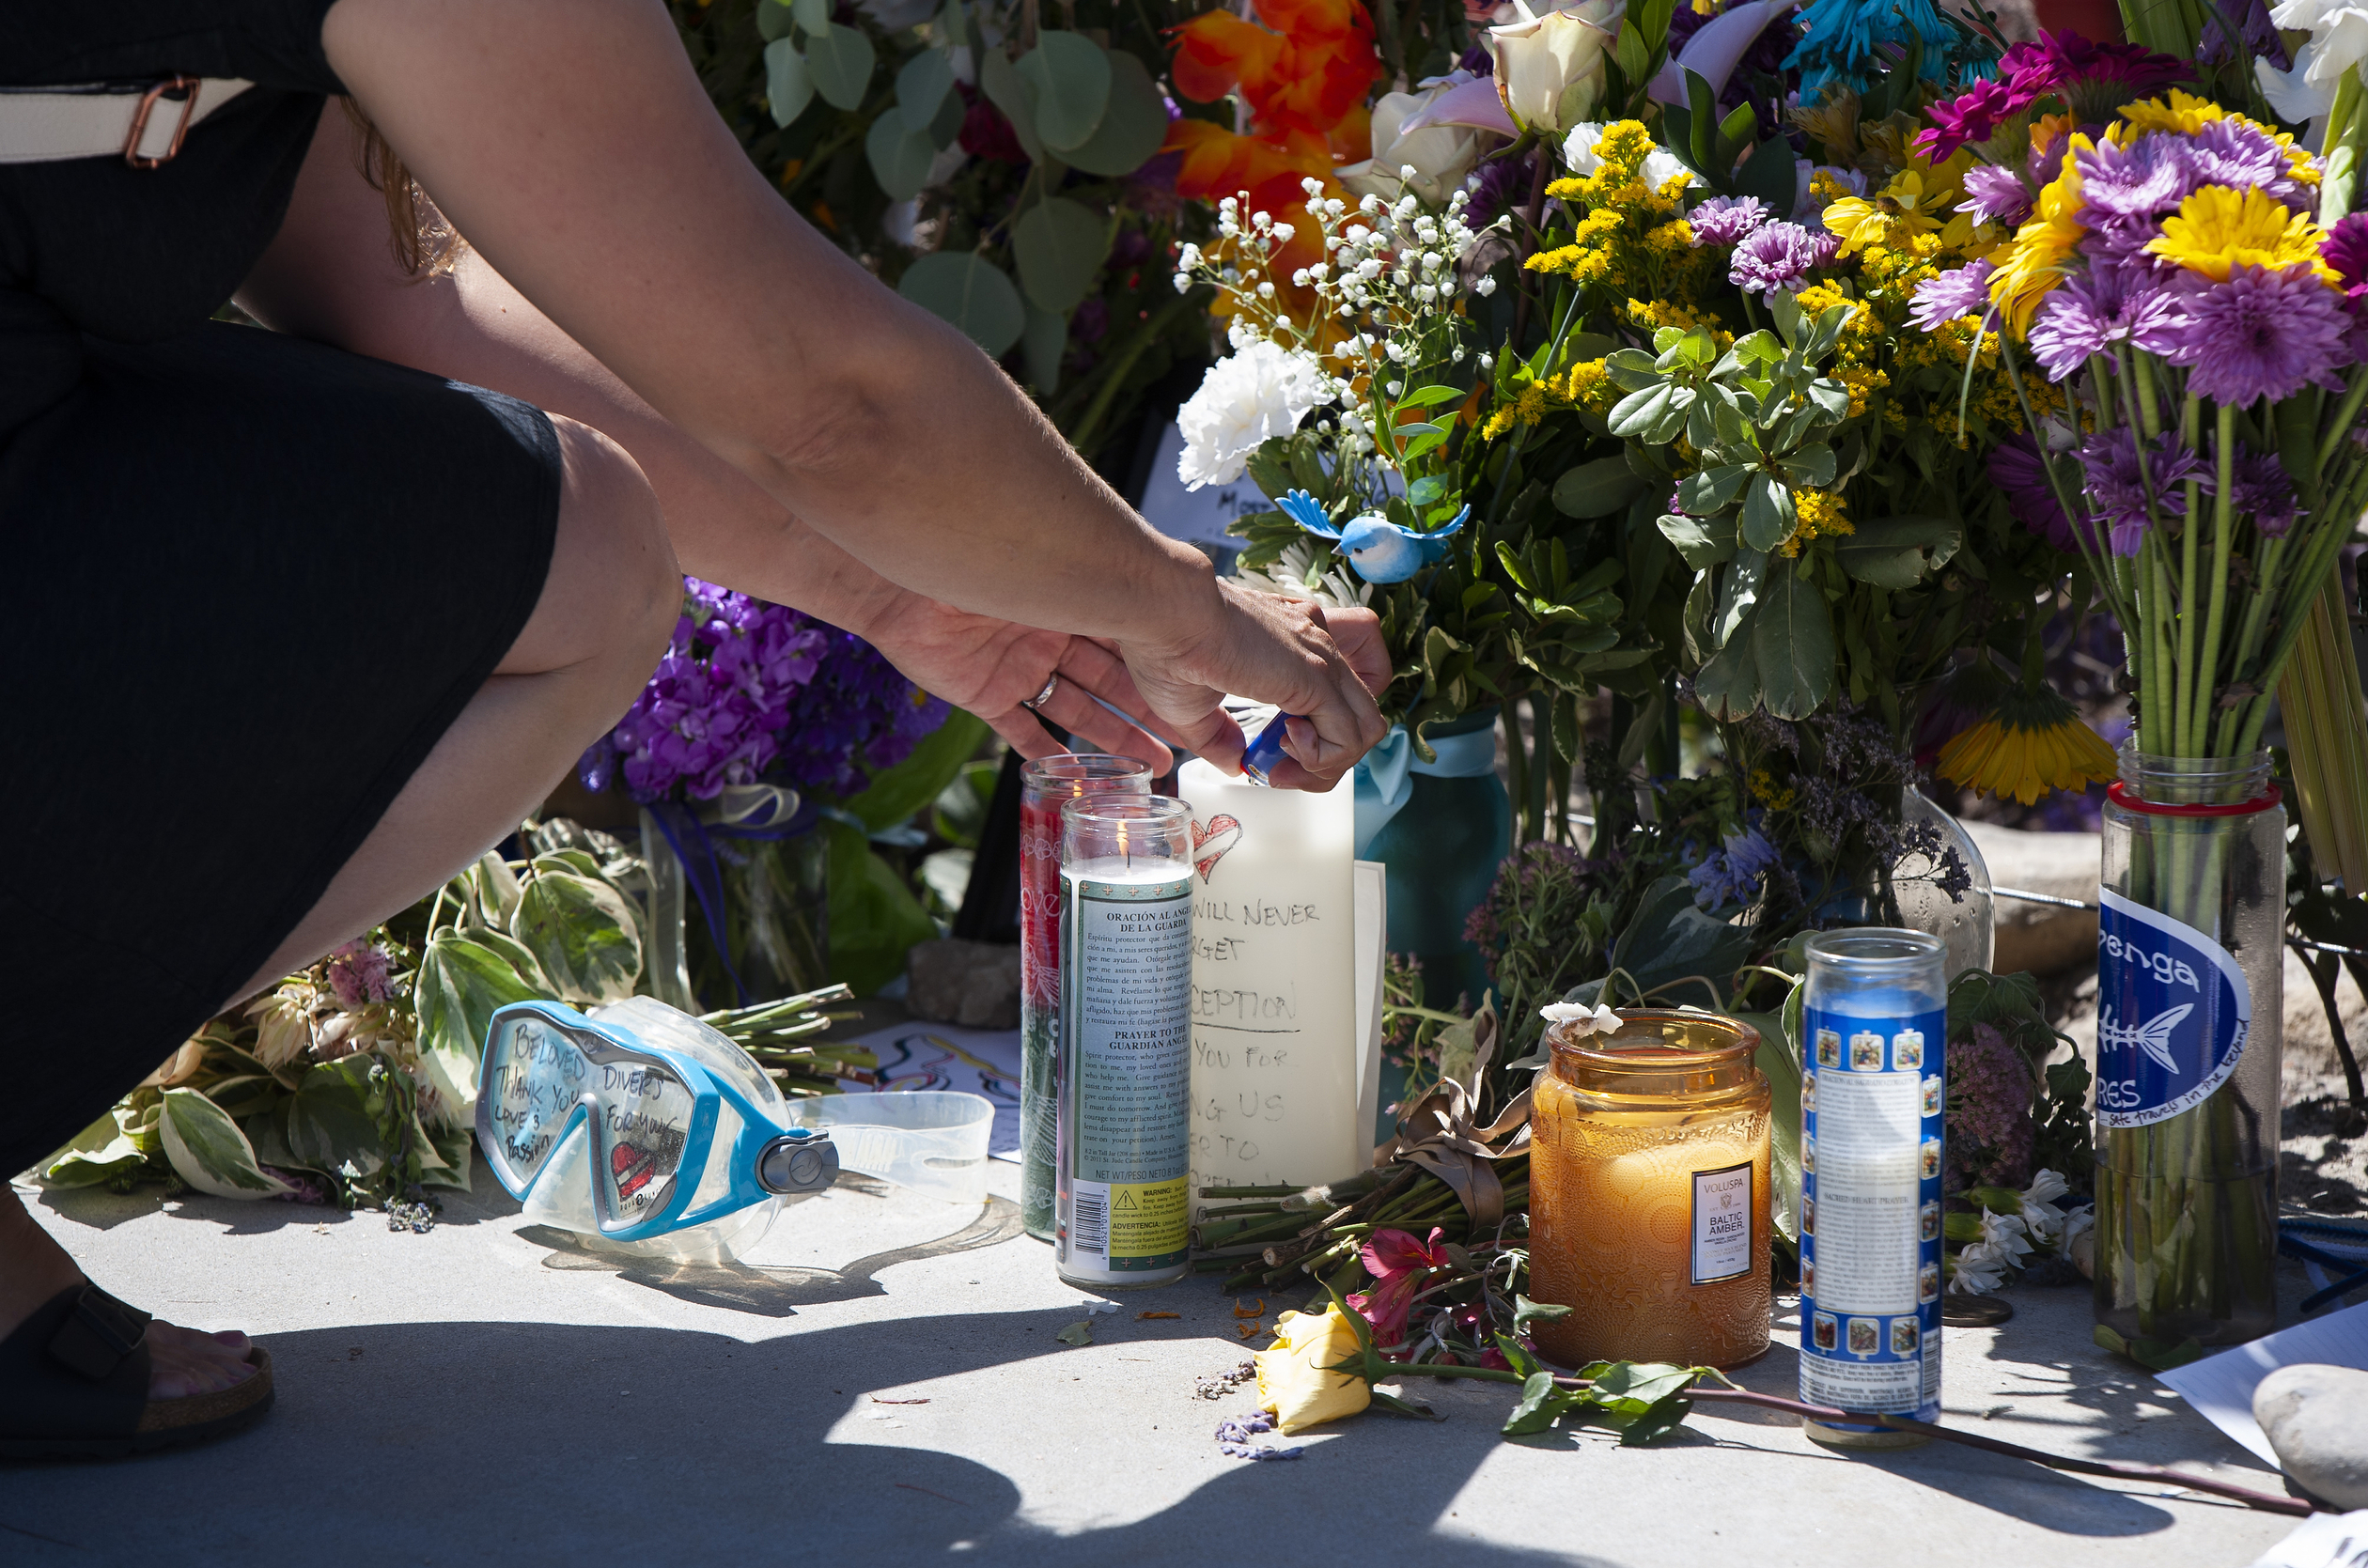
(1649, 1192)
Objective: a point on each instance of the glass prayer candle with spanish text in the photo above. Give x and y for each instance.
(1649, 1192)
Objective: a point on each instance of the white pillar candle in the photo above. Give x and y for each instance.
(1274, 998)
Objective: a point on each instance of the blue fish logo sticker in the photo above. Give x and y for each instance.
(2174, 1014)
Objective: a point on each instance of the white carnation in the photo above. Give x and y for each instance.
(1250, 397)
(1578, 148)
(1661, 166)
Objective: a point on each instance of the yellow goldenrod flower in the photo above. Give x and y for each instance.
(2034, 264)
(1589, 385)
(2035, 743)
(1765, 788)
(1294, 1377)
(2217, 229)
(1818, 514)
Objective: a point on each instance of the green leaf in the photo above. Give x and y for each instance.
(1132, 128)
(874, 919)
(1728, 685)
(1070, 76)
(1654, 416)
(330, 1119)
(899, 149)
(1518, 1355)
(1010, 91)
(773, 20)
(1080, 1333)
(1596, 489)
(459, 983)
(1431, 397)
(1059, 245)
(1896, 552)
(1780, 1063)
(98, 1153)
(1541, 1403)
(1633, 55)
(1769, 174)
(1811, 467)
(841, 62)
(1631, 370)
(1526, 1312)
(450, 1167)
(584, 934)
(1769, 516)
(970, 291)
(1713, 490)
(209, 1152)
(921, 86)
(1792, 642)
(789, 85)
(812, 15)
(1671, 940)
(934, 762)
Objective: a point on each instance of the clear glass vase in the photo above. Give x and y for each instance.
(2189, 1009)
(1914, 894)
(775, 912)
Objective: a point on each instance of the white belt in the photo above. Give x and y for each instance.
(143, 126)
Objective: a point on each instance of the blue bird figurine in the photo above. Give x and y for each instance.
(1381, 550)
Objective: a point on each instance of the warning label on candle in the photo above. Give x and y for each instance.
(1127, 1011)
(1722, 1223)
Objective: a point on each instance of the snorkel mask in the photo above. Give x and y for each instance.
(638, 1122)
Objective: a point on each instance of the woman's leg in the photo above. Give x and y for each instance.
(607, 607)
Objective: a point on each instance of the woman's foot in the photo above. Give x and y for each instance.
(181, 1361)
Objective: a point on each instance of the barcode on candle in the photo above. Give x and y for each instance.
(1089, 1218)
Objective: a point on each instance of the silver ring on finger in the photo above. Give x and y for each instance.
(1050, 683)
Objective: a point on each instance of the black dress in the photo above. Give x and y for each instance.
(248, 581)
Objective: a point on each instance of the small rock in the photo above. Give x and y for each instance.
(2317, 1421)
(976, 985)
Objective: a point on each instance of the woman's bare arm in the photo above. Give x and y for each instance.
(571, 142)
(331, 276)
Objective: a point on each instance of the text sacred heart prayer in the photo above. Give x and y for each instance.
(1212, 843)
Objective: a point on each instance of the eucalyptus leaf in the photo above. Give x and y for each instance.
(789, 85)
(1654, 416)
(1042, 343)
(1896, 552)
(1598, 489)
(921, 86)
(1702, 542)
(812, 15)
(1712, 489)
(773, 20)
(1008, 91)
(1792, 641)
(970, 292)
(841, 62)
(583, 935)
(900, 150)
(209, 1152)
(1069, 74)
(1133, 127)
(1769, 516)
(1059, 245)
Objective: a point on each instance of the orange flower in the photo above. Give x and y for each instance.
(1305, 70)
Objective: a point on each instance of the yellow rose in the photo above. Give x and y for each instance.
(1294, 1381)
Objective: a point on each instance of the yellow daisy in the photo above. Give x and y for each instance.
(2034, 264)
(2217, 229)
(2181, 111)
(2035, 743)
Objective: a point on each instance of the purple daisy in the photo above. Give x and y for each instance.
(1778, 255)
(2260, 333)
(1725, 220)
(1995, 196)
(2089, 314)
(2264, 491)
(2229, 152)
(1964, 291)
(2017, 468)
(2117, 484)
(2151, 174)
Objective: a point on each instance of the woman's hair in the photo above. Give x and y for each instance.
(424, 243)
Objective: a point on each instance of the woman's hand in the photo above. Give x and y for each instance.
(1324, 664)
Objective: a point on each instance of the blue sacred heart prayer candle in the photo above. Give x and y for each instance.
(1874, 1090)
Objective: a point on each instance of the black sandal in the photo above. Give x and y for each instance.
(74, 1381)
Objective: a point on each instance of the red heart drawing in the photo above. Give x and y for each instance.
(1222, 833)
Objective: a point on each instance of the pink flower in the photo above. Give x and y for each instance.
(1398, 1264)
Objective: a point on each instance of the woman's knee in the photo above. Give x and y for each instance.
(613, 592)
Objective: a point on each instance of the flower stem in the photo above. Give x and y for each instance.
(2223, 529)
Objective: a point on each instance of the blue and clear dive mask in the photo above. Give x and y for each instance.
(638, 1123)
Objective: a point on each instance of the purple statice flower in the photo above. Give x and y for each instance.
(2260, 333)
(2090, 313)
(2017, 468)
(2238, 154)
(1778, 255)
(1733, 876)
(1725, 220)
(2117, 484)
(359, 974)
(1990, 1136)
(1964, 291)
(1233, 1437)
(2264, 491)
(1995, 195)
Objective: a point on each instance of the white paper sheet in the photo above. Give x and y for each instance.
(981, 1062)
(2221, 1387)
